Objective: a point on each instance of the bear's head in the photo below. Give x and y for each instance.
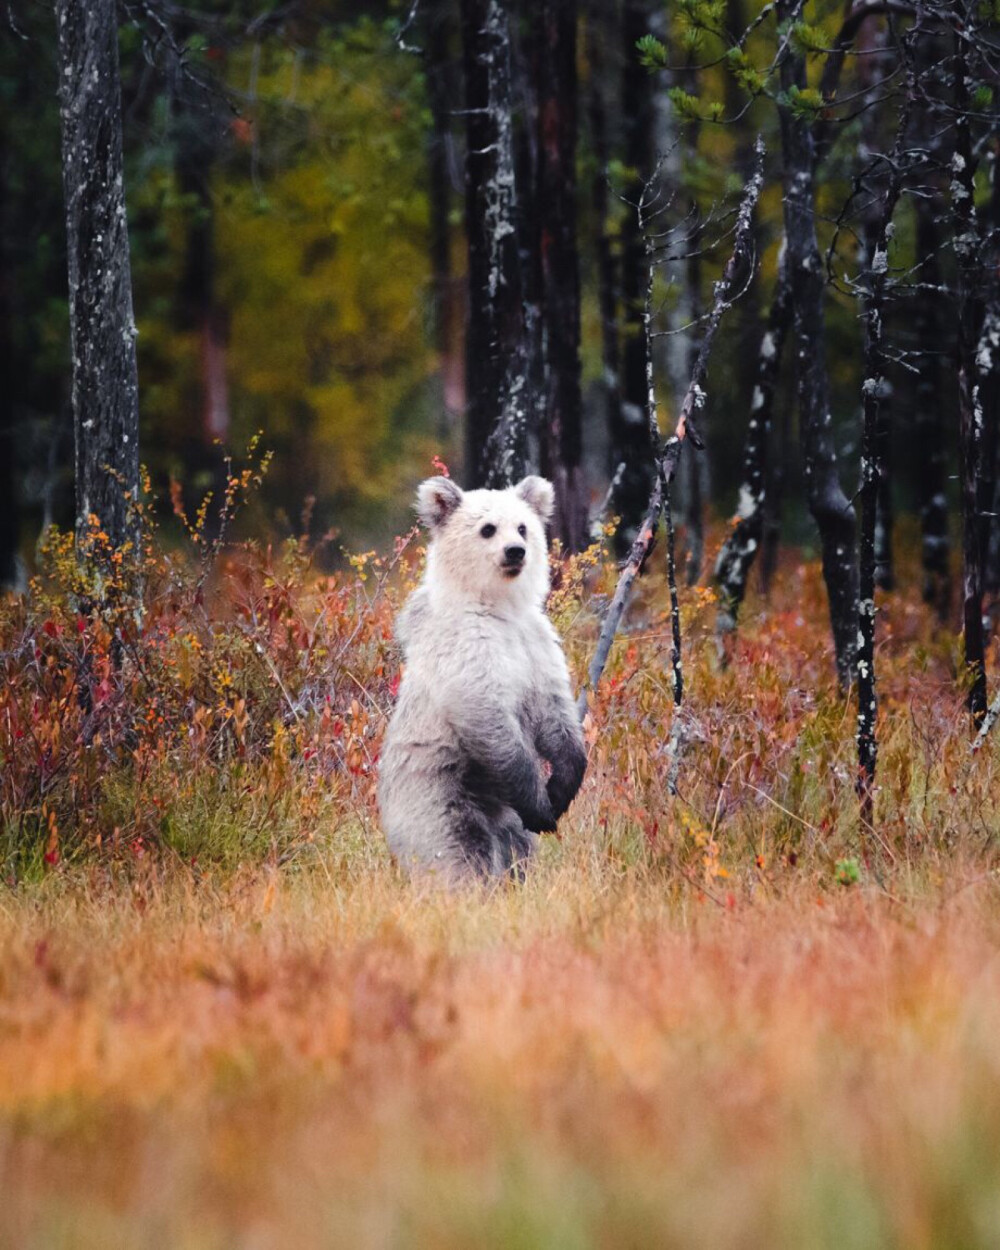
(487, 545)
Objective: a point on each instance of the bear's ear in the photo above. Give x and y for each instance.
(437, 499)
(537, 493)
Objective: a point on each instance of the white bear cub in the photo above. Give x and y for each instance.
(484, 750)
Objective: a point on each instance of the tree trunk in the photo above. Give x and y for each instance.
(525, 76)
(562, 434)
(830, 507)
(740, 549)
(696, 477)
(697, 466)
(446, 300)
(102, 326)
(967, 251)
(929, 423)
(872, 389)
(496, 350)
(200, 313)
(607, 277)
(630, 442)
(871, 45)
(775, 474)
(10, 529)
(988, 366)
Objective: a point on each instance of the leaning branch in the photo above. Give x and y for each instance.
(668, 456)
(989, 720)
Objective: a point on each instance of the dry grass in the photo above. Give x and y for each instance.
(599, 1058)
(684, 1030)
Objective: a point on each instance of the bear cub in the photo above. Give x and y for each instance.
(484, 750)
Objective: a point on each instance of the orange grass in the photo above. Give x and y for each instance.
(727, 1019)
(281, 1063)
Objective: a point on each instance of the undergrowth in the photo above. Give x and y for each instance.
(225, 706)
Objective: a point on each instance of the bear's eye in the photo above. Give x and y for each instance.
(523, 531)
(488, 531)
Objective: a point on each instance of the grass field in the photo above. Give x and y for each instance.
(727, 1019)
(597, 1059)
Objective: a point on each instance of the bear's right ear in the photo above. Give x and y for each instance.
(437, 499)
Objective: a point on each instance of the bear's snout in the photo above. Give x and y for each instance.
(513, 558)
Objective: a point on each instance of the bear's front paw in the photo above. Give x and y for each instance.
(540, 818)
(566, 779)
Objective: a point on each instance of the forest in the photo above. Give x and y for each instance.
(727, 274)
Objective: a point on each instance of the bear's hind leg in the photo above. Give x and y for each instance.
(515, 843)
(491, 840)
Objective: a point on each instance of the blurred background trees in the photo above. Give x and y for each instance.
(384, 232)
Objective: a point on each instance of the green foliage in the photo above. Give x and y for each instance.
(709, 14)
(747, 76)
(805, 102)
(652, 53)
(810, 38)
(686, 106)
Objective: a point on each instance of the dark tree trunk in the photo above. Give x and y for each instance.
(830, 507)
(967, 252)
(885, 576)
(988, 367)
(929, 425)
(696, 477)
(598, 34)
(775, 474)
(630, 442)
(10, 529)
(697, 474)
(199, 309)
(871, 471)
(446, 305)
(871, 45)
(102, 326)
(562, 434)
(525, 89)
(740, 549)
(200, 312)
(496, 349)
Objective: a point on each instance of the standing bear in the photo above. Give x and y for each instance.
(484, 750)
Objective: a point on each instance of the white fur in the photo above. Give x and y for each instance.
(485, 676)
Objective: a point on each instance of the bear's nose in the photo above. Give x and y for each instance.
(513, 555)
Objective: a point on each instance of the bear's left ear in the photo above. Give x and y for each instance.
(538, 494)
(437, 499)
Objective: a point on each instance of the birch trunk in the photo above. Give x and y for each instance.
(607, 274)
(562, 432)
(830, 507)
(9, 511)
(740, 549)
(496, 348)
(102, 325)
(871, 472)
(971, 432)
(630, 435)
(929, 421)
(447, 302)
